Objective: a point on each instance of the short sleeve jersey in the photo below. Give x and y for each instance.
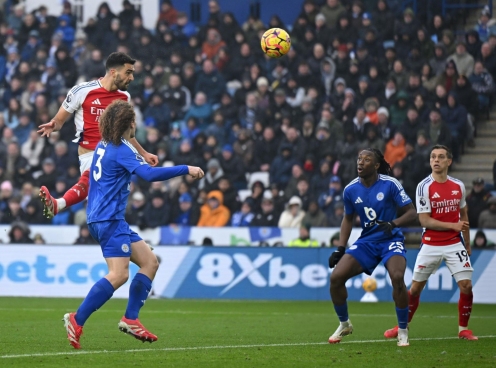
(379, 202)
(443, 201)
(88, 101)
(110, 180)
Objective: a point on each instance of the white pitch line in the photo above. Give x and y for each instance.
(220, 347)
(177, 311)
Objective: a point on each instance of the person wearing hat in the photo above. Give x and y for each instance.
(477, 201)
(487, 218)
(485, 25)
(322, 30)
(304, 240)
(333, 194)
(214, 213)
(293, 215)
(187, 213)
(481, 242)
(233, 167)
(280, 105)
(136, 210)
(19, 233)
(31, 46)
(463, 60)
(213, 175)
(384, 21)
(85, 237)
(267, 216)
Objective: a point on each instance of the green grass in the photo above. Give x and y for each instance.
(195, 333)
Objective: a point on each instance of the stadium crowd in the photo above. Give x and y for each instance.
(206, 95)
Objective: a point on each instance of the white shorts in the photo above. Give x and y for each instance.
(455, 256)
(85, 161)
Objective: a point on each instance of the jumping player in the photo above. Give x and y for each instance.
(88, 100)
(443, 214)
(114, 162)
(375, 196)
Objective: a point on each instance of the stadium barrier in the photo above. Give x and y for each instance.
(220, 236)
(221, 273)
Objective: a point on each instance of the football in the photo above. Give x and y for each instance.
(275, 42)
(369, 284)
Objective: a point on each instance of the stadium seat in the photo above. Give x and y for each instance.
(243, 194)
(259, 176)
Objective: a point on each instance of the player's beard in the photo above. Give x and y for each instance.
(119, 83)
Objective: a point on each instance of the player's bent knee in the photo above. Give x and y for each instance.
(119, 278)
(465, 286)
(397, 280)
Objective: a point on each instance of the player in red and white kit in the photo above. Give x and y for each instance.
(443, 214)
(88, 101)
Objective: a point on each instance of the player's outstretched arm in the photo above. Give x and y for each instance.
(55, 124)
(150, 158)
(429, 223)
(150, 174)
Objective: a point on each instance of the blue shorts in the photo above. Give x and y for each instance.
(115, 237)
(370, 254)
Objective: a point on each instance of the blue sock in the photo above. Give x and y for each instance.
(342, 312)
(402, 314)
(138, 292)
(98, 296)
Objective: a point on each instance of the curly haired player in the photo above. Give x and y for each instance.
(114, 162)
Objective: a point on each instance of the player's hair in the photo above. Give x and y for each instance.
(118, 59)
(449, 154)
(384, 167)
(115, 120)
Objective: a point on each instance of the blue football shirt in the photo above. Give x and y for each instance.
(379, 202)
(110, 179)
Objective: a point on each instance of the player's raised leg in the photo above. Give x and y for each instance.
(396, 266)
(139, 290)
(347, 267)
(76, 194)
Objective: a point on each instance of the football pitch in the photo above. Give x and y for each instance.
(206, 333)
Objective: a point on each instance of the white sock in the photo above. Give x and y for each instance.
(345, 324)
(460, 329)
(60, 204)
(403, 329)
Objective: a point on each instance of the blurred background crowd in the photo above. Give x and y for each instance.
(278, 138)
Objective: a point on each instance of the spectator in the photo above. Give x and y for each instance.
(455, 117)
(23, 130)
(85, 237)
(395, 150)
(485, 26)
(477, 201)
(245, 216)
(463, 60)
(183, 30)
(188, 214)
(267, 216)
(214, 213)
(156, 212)
(398, 110)
(487, 218)
(38, 239)
(315, 217)
(412, 125)
(34, 212)
(136, 210)
(19, 233)
(66, 30)
(293, 215)
(331, 11)
(483, 84)
(233, 167)
(16, 166)
(212, 177)
(488, 58)
(280, 169)
(336, 218)
(14, 212)
(304, 238)
(210, 82)
(480, 241)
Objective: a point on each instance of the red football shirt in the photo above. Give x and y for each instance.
(88, 100)
(443, 201)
